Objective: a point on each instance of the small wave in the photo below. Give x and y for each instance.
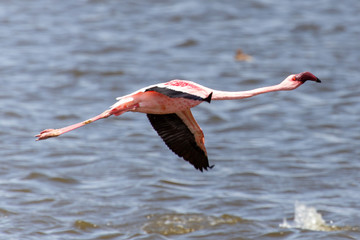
(41, 176)
(308, 218)
(172, 224)
(84, 225)
(187, 43)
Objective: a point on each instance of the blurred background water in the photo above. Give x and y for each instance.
(287, 163)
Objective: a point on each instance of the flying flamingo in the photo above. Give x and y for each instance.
(167, 106)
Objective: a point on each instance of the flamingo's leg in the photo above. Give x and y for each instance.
(48, 133)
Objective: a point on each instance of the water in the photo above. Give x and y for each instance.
(63, 62)
(309, 219)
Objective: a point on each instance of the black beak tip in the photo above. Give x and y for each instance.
(318, 80)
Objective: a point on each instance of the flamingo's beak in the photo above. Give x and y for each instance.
(305, 76)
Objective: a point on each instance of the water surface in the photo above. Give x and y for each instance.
(286, 164)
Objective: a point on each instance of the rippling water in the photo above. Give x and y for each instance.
(287, 163)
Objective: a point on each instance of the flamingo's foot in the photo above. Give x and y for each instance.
(48, 133)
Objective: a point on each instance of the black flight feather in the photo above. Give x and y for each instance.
(179, 139)
(178, 94)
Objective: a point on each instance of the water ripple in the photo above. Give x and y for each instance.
(115, 179)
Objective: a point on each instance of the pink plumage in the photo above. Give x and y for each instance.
(168, 105)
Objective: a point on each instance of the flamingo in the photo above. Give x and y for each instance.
(168, 105)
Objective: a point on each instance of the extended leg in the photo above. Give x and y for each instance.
(48, 133)
(127, 104)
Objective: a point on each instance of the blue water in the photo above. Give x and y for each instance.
(286, 163)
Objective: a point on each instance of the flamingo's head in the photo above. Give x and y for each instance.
(304, 76)
(295, 80)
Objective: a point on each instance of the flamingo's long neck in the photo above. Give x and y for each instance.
(224, 95)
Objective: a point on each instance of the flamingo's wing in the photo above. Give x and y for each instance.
(183, 138)
(172, 93)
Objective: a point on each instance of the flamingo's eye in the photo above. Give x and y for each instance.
(294, 78)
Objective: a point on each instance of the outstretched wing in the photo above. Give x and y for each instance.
(178, 94)
(180, 139)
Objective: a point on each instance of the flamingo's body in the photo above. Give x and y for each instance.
(168, 105)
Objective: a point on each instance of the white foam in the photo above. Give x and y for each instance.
(308, 218)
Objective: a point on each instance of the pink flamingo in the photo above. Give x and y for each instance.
(167, 106)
